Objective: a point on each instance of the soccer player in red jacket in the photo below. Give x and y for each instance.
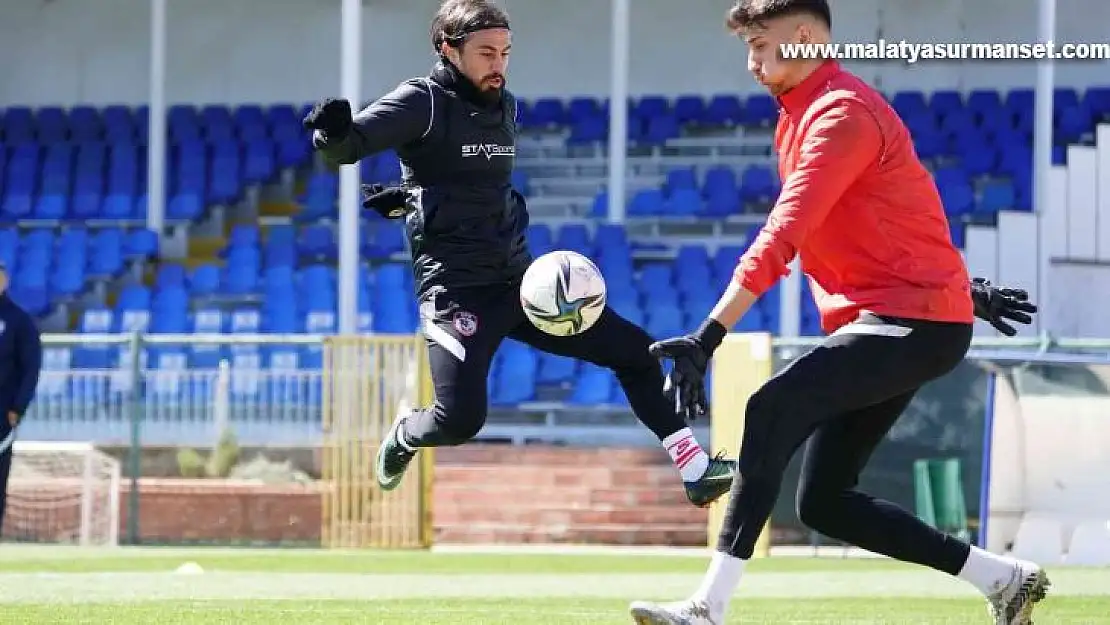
(864, 216)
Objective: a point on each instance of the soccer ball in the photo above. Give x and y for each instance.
(563, 293)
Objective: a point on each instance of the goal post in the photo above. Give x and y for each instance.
(741, 365)
(367, 382)
(63, 493)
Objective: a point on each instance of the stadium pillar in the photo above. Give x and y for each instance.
(618, 110)
(349, 205)
(1042, 155)
(790, 302)
(156, 155)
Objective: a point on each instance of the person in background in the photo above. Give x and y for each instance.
(20, 364)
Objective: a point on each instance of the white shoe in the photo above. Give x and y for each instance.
(688, 612)
(1013, 604)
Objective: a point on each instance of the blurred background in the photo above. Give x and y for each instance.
(241, 238)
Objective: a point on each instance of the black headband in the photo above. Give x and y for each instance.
(469, 29)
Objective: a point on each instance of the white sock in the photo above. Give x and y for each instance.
(988, 572)
(720, 582)
(401, 439)
(687, 454)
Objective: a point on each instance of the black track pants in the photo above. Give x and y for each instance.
(464, 328)
(843, 396)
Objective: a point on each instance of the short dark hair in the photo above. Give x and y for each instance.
(456, 19)
(746, 13)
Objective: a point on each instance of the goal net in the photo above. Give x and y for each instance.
(63, 493)
(1049, 463)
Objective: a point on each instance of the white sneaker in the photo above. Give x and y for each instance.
(1013, 604)
(688, 612)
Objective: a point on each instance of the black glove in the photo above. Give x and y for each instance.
(684, 386)
(331, 116)
(389, 202)
(994, 304)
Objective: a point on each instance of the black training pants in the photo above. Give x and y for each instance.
(5, 468)
(464, 328)
(843, 395)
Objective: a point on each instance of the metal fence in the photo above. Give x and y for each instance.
(148, 395)
(141, 391)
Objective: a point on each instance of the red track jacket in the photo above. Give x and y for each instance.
(859, 208)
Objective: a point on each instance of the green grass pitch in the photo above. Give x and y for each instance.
(133, 586)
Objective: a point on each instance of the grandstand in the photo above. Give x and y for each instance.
(251, 215)
(258, 216)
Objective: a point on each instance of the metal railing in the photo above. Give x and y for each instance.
(270, 402)
(132, 404)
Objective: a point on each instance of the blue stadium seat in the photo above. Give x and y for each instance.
(1073, 122)
(680, 178)
(723, 110)
(516, 381)
(661, 129)
(683, 202)
(521, 182)
(664, 321)
(548, 112)
(689, 109)
(909, 103)
(106, 253)
(539, 238)
(170, 275)
(612, 239)
(587, 130)
(205, 280)
(384, 240)
(997, 195)
(758, 184)
(553, 369)
(318, 243)
(761, 110)
(722, 203)
(985, 103)
(140, 244)
(593, 386)
(958, 232)
(945, 101)
(648, 202)
(576, 238)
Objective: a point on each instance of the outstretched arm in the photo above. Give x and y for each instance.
(399, 117)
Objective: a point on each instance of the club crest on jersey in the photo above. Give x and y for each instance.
(466, 323)
(488, 150)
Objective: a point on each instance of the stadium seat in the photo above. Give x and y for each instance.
(723, 110)
(1039, 539)
(1090, 544)
(593, 386)
(997, 195)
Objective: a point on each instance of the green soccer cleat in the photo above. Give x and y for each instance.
(715, 482)
(393, 459)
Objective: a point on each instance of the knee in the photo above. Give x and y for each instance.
(460, 417)
(815, 504)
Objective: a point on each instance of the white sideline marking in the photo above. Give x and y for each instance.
(125, 587)
(620, 550)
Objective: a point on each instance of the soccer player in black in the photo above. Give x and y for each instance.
(455, 133)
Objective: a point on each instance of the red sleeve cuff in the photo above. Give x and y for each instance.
(756, 276)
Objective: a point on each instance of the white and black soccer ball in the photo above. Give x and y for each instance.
(563, 293)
